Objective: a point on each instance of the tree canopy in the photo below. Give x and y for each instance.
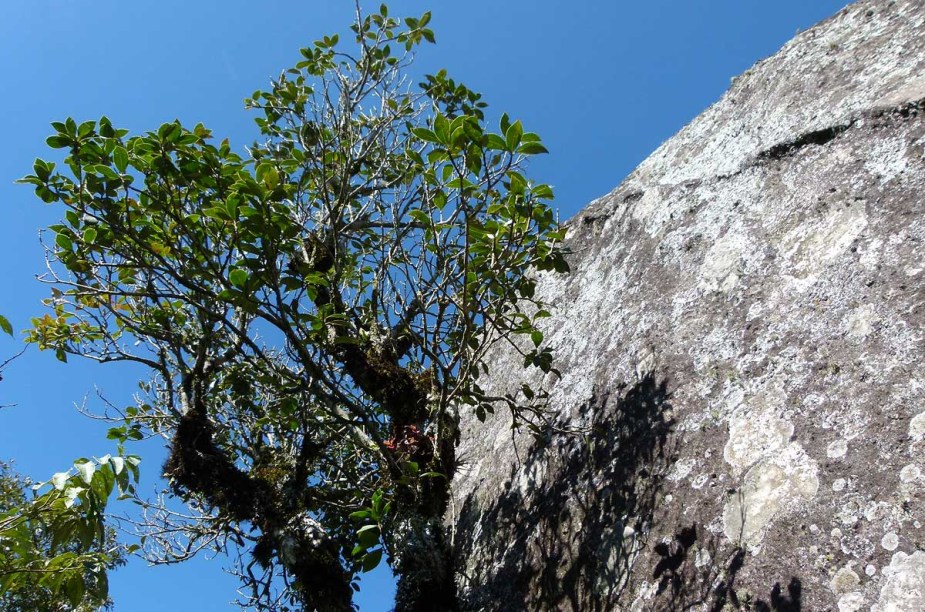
(316, 312)
(55, 547)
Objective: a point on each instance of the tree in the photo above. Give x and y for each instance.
(315, 313)
(55, 548)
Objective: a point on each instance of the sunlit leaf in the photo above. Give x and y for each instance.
(86, 470)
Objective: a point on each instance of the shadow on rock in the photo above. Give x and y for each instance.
(791, 602)
(576, 511)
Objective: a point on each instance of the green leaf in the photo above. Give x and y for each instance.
(59, 479)
(85, 128)
(106, 171)
(58, 142)
(89, 235)
(542, 191)
(512, 135)
(29, 179)
(42, 169)
(238, 277)
(527, 391)
(120, 159)
(5, 325)
(531, 148)
(442, 129)
(419, 215)
(425, 134)
(271, 178)
(494, 142)
(118, 464)
(75, 589)
(216, 212)
(518, 183)
(169, 132)
(371, 560)
(528, 289)
(368, 536)
(106, 129)
(86, 470)
(505, 123)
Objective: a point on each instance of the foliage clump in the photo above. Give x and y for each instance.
(315, 314)
(55, 547)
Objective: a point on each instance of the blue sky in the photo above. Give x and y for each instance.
(603, 82)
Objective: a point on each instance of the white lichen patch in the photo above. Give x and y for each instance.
(681, 470)
(811, 248)
(720, 268)
(879, 511)
(845, 580)
(645, 593)
(908, 90)
(890, 541)
(703, 558)
(837, 449)
(787, 479)
(860, 322)
(904, 588)
(917, 427)
(849, 513)
(887, 159)
(650, 211)
(753, 436)
(851, 602)
(910, 474)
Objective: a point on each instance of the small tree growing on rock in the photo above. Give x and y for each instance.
(315, 313)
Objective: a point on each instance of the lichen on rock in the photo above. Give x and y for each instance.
(904, 588)
(742, 332)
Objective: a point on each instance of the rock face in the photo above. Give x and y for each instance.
(743, 337)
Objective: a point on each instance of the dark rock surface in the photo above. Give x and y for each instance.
(743, 334)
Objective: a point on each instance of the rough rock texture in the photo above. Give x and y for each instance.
(743, 335)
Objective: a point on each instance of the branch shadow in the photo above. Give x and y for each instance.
(791, 602)
(575, 517)
(576, 513)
